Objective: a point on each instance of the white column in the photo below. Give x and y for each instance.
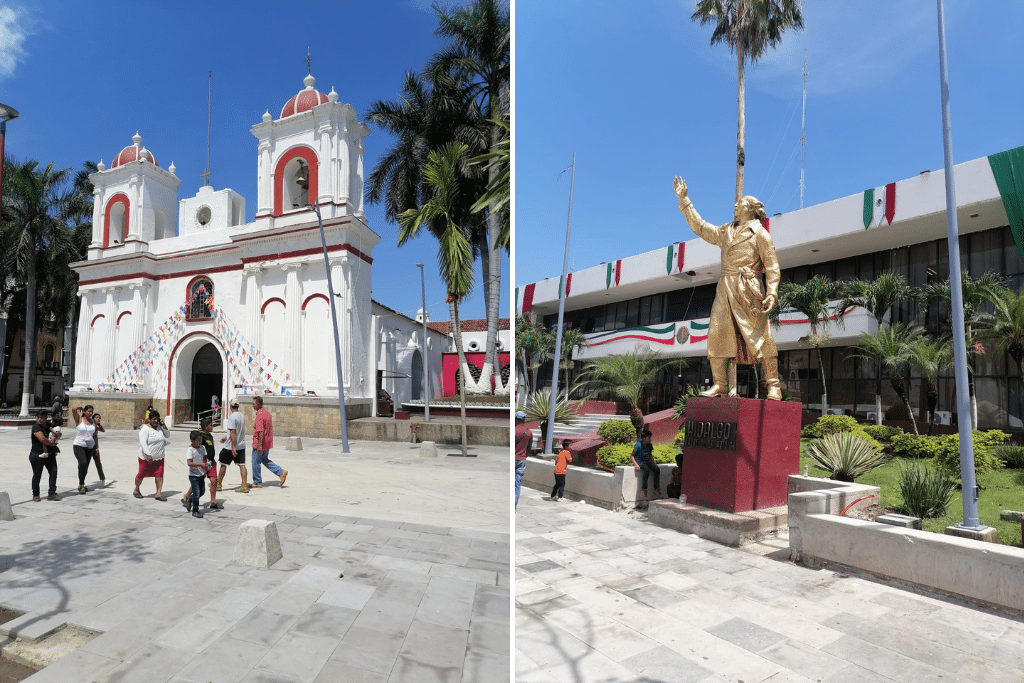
(83, 350)
(253, 322)
(293, 314)
(134, 216)
(110, 355)
(343, 307)
(266, 188)
(325, 170)
(344, 153)
(97, 219)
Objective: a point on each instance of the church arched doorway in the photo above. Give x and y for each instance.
(417, 376)
(207, 379)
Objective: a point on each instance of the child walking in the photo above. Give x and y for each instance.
(196, 471)
(561, 465)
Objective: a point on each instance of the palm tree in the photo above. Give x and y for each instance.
(811, 299)
(499, 188)
(877, 298)
(428, 116)
(931, 357)
(572, 339)
(1007, 325)
(975, 294)
(626, 374)
(454, 255)
(478, 53)
(893, 348)
(535, 343)
(36, 210)
(748, 27)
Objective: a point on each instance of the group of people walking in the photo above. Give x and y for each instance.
(153, 440)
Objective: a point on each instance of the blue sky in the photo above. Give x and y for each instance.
(635, 89)
(85, 76)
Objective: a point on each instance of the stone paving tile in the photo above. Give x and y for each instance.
(386, 615)
(337, 672)
(885, 662)
(262, 626)
(804, 660)
(369, 650)
(298, 655)
(151, 664)
(661, 664)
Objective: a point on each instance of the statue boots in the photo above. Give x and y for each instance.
(771, 378)
(723, 373)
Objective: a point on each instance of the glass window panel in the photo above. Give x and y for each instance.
(599, 318)
(645, 310)
(986, 255)
(1011, 255)
(657, 309)
(620, 315)
(846, 269)
(632, 312)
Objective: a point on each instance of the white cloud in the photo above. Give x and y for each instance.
(14, 29)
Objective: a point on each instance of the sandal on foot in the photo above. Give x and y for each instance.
(136, 494)
(159, 498)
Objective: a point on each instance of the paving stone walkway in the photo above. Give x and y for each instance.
(604, 597)
(355, 599)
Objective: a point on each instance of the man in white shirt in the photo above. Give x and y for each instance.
(235, 452)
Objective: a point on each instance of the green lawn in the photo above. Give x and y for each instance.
(1000, 490)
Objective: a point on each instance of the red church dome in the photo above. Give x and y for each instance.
(305, 99)
(134, 152)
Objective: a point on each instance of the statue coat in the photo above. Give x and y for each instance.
(739, 325)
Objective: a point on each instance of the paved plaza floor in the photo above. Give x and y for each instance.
(604, 597)
(395, 568)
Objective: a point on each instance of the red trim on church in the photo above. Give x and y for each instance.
(119, 198)
(309, 156)
(308, 252)
(314, 296)
(270, 301)
(93, 323)
(121, 316)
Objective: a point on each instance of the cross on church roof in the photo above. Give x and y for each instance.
(205, 175)
(308, 60)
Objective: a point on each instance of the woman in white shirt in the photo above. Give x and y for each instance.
(152, 444)
(85, 446)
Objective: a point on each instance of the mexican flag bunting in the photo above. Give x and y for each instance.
(674, 258)
(764, 223)
(568, 284)
(879, 205)
(614, 270)
(524, 299)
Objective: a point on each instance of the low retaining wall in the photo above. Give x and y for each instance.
(728, 528)
(986, 572)
(377, 429)
(609, 490)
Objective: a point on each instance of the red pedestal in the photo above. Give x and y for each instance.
(755, 474)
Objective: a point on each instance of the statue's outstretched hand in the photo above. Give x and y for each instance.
(769, 303)
(680, 188)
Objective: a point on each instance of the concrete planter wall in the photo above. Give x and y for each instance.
(986, 572)
(612, 491)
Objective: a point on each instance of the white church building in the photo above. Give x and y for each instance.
(182, 300)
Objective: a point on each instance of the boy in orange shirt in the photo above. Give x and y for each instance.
(564, 458)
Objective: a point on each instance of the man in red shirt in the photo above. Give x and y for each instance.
(524, 437)
(262, 442)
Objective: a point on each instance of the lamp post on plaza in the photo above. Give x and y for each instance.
(426, 382)
(6, 114)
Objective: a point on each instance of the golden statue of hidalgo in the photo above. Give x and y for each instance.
(738, 329)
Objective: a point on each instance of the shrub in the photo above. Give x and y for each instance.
(613, 456)
(846, 455)
(617, 431)
(947, 457)
(926, 492)
(1010, 454)
(829, 424)
(897, 412)
(680, 438)
(882, 433)
(914, 446)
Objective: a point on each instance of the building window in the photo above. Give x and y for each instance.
(48, 354)
(200, 299)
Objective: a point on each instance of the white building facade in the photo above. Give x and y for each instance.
(184, 300)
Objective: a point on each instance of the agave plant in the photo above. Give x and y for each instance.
(926, 492)
(679, 409)
(539, 402)
(845, 455)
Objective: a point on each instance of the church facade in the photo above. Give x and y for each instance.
(183, 301)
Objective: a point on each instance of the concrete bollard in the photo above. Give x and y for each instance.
(6, 513)
(294, 444)
(257, 545)
(428, 449)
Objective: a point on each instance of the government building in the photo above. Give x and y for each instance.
(663, 297)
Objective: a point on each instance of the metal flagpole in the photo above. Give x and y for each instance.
(426, 377)
(337, 342)
(561, 317)
(969, 484)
